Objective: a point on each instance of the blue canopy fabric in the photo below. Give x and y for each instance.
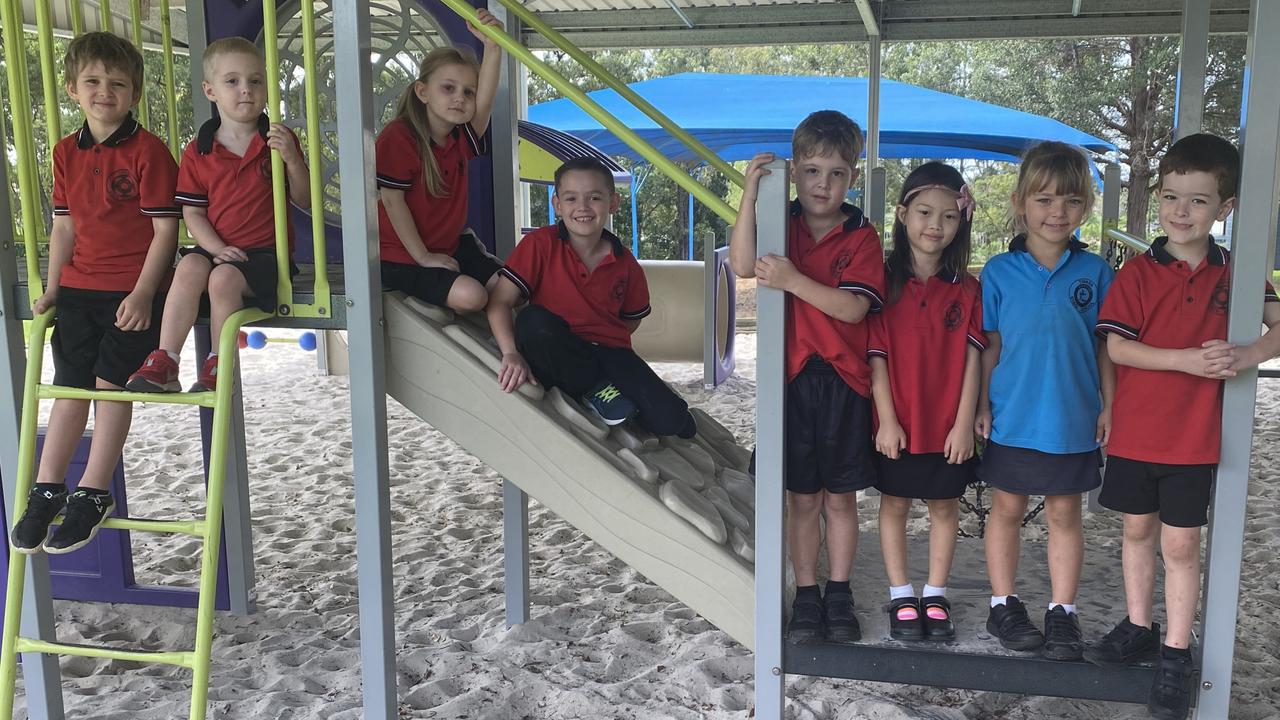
(738, 116)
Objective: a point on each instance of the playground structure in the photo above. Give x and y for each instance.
(377, 353)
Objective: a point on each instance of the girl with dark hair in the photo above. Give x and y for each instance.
(924, 352)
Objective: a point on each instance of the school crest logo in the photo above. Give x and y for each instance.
(1083, 294)
(1220, 298)
(839, 264)
(264, 169)
(953, 318)
(619, 290)
(122, 186)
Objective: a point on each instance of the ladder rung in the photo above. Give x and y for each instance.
(53, 392)
(172, 527)
(181, 658)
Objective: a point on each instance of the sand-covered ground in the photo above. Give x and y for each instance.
(604, 642)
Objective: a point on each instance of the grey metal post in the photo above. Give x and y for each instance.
(40, 673)
(710, 323)
(1191, 67)
(875, 211)
(875, 200)
(515, 552)
(236, 516)
(1111, 193)
(197, 40)
(1252, 255)
(771, 237)
(367, 357)
(504, 129)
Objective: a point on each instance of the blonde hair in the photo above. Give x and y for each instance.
(113, 51)
(230, 46)
(1052, 165)
(414, 113)
(825, 132)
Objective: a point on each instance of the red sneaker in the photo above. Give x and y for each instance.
(159, 373)
(207, 378)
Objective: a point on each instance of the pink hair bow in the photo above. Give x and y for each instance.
(965, 203)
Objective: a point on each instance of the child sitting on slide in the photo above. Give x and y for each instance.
(586, 295)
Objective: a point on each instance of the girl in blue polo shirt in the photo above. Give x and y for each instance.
(923, 349)
(1045, 404)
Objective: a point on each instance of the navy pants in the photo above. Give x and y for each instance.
(560, 358)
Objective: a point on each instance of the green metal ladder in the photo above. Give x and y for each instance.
(208, 529)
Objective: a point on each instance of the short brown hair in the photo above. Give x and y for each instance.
(1057, 165)
(233, 45)
(825, 132)
(1205, 153)
(113, 51)
(589, 165)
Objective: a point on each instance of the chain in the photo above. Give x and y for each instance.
(981, 510)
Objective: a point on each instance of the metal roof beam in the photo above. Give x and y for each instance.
(868, 17)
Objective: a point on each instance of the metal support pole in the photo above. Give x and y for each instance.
(197, 41)
(40, 673)
(515, 551)
(771, 237)
(875, 211)
(503, 129)
(367, 355)
(710, 321)
(1252, 255)
(237, 527)
(875, 200)
(1191, 66)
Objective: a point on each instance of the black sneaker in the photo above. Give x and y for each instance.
(86, 512)
(940, 629)
(1171, 691)
(1062, 637)
(1010, 624)
(32, 528)
(1124, 645)
(842, 624)
(806, 624)
(611, 405)
(905, 628)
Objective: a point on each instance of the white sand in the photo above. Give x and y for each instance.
(605, 643)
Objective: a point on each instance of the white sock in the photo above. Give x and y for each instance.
(1000, 599)
(1071, 609)
(172, 355)
(931, 591)
(901, 591)
(213, 354)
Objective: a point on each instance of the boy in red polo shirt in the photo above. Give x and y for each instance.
(586, 295)
(1165, 321)
(114, 231)
(224, 186)
(833, 276)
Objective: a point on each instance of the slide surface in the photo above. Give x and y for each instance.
(680, 512)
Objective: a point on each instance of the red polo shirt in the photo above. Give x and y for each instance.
(1160, 416)
(111, 190)
(596, 304)
(439, 220)
(235, 191)
(850, 258)
(924, 337)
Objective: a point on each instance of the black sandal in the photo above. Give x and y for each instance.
(902, 628)
(937, 629)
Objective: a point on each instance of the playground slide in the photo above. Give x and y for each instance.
(680, 512)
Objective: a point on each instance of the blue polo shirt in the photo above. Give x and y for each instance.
(1044, 389)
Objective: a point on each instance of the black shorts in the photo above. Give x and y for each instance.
(1023, 471)
(1180, 493)
(923, 476)
(88, 345)
(432, 284)
(259, 273)
(828, 438)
